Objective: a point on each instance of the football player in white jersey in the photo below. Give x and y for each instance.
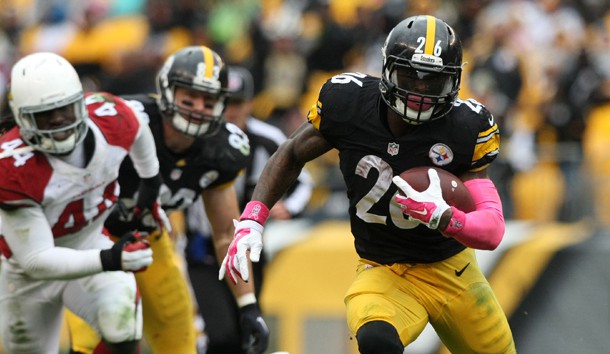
(60, 166)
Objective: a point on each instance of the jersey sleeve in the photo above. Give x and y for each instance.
(222, 157)
(487, 146)
(340, 102)
(115, 118)
(24, 175)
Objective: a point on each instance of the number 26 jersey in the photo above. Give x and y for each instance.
(351, 115)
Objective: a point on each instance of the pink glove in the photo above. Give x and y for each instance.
(428, 206)
(248, 237)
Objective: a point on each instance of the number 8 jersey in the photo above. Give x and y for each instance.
(211, 162)
(350, 114)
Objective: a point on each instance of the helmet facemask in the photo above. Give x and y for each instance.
(61, 140)
(200, 70)
(419, 93)
(194, 122)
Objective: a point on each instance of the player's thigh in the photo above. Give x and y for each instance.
(474, 322)
(468, 317)
(109, 302)
(30, 314)
(375, 296)
(167, 306)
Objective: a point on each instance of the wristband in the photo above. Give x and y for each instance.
(245, 300)
(456, 224)
(256, 211)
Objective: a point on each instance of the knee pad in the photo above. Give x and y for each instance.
(120, 319)
(379, 337)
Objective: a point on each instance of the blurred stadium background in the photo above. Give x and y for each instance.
(542, 67)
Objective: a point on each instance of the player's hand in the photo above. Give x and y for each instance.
(255, 334)
(248, 239)
(131, 253)
(153, 216)
(123, 219)
(428, 206)
(148, 209)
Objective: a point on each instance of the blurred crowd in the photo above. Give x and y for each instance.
(542, 67)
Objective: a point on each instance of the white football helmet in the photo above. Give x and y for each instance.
(42, 82)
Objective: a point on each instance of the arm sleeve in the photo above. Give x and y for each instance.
(484, 227)
(30, 239)
(143, 153)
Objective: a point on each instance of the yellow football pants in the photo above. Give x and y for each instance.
(166, 306)
(453, 295)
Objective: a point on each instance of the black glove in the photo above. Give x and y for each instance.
(148, 191)
(122, 220)
(254, 331)
(130, 253)
(146, 215)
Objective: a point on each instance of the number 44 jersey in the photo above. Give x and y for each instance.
(75, 200)
(351, 115)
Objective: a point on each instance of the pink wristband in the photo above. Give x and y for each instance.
(256, 211)
(456, 224)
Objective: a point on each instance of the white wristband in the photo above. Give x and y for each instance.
(246, 299)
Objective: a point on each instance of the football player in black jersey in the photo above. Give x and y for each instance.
(199, 155)
(417, 260)
(218, 310)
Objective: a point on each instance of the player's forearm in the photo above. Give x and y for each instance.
(60, 263)
(30, 239)
(296, 201)
(280, 172)
(143, 153)
(484, 227)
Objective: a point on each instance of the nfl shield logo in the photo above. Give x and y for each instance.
(393, 149)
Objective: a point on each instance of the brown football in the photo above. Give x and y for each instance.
(455, 192)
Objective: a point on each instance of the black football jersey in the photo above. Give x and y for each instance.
(350, 115)
(211, 161)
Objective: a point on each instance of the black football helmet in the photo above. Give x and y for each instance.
(197, 68)
(241, 84)
(422, 67)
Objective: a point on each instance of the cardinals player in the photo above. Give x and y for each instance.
(60, 166)
(200, 157)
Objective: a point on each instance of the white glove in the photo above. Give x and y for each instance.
(428, 206)
(136, 257)
(131, 253)
(248, 237)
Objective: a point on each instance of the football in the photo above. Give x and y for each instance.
(455, 192)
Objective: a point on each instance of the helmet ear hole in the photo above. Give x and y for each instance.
(195, 68)
(433, 69)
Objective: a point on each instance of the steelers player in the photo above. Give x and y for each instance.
(417, 261)
(199, 154)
